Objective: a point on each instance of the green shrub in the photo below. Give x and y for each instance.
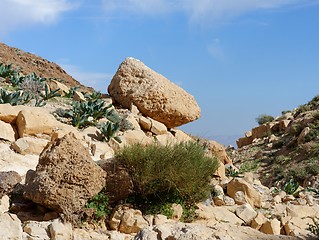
(262, 119)
(291, 186)
(250, 166)
(172, 172)
(100, 204)
(109, 130)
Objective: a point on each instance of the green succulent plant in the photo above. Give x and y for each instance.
(109, 130)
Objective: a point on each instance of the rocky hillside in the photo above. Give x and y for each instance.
(283, 149)
(76, 165)
(29, 63)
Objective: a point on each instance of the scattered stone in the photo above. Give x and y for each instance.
(60, 231)
(37, 230)
(4, 204)
(7, 182)
(136, 136)
(271, 227)
(28, 145)
(258, 221)
(78, 96)
(8, 132)
(158, 128)
(177, 212)
(154, 95)
(246, 213)
(10, 226)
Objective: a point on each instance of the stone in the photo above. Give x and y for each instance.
(4, 204)
(240, 198)
(221, 171)
(8, 180)
(165, 139)
(8, 132)
(271, 227)
(9, 113)
(277, 199)
(177, 211)
(29, 145)
(37, 230)
(220, 214)
(136, 136)
(78, 96)
(253, 197)
(229, 201)
(130, 118)
(119, 184)
(10, 226)
(65, 178)
(160, 219)
(158, 128)
(181, 136)
(60, 231)
(127, 220)
(53, 84)
(283, 125)
(303, 134)
(36, 121)
(102, 151)
(248, 134)
(218, 150)
(145, 123)
(258, 221)
(12, 161)
(219, 200)
(244, 141)
(154, 95)
(93, 133)
(261, 131)
(246, 213)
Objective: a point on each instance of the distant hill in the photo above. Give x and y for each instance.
(28, 63)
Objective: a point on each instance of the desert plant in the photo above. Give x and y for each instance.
(100, 204)
(109, 130)
(6, 71)
(48, 94)
(262, 119)
(232, 172)
(12, 98)
(291, 186)
(164, 172)
(71, 92)
(93, 96)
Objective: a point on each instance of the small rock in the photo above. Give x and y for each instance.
(271, 227)
(258, 221)
(246, 213)
(4, 204)
(60, 231)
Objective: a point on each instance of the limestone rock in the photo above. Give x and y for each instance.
(246, 213)
(53, 84)
(127, 220)
(180, 136)
(219, 151)
(7, 132)
(7, 182)
(36, 121)
(258, 221)
(252, 196)
(303, 134)
(119, 184)
(10, 226)
(4, 204)
(260, 131)
(28, 145)
(244, 141)
(177, 211)
(60, 231)
(36, 230)
(154, 95)
(65, 177)
(136, 136)
(271, 227)
(165, 139)
(145, 123)
(158, 128)
(78, 96)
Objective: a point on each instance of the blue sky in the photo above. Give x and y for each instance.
(238, 58)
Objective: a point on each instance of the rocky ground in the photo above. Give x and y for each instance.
(50, 169)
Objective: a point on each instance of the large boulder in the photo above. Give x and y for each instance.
(153, 94)
(65, 178)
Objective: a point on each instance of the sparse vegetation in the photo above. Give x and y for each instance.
(100, 205)
(168, 174)
(264, 118)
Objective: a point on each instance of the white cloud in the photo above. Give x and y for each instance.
(17, 13)
(98, 81)
(201, 11)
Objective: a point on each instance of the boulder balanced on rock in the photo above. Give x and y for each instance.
(153, 94)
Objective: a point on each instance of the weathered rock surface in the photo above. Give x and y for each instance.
(7, 132)
(153, 94)
(7, 182)
(10, 227)
(65, 178)
(28, 145)
(200, 231)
